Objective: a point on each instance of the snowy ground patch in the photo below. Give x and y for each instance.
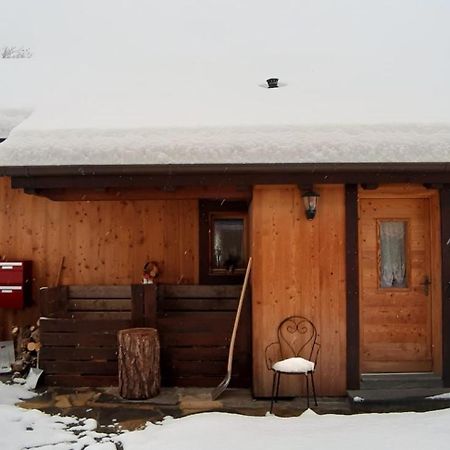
(12, 394)
(230, 431)
(32, 429)
(445, 396)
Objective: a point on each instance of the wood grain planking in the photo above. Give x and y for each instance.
(104, 242)
(100, 292)
(112, 304)
(93, 326)
(96, 315)
(84, 368)
(78, 354)
(395, 314)
(199, 353)
(205, 338)
(203, 381)
(205, 368)
(80, 339)
(332, 290)
(198, 304)
(114, 194)
(289, 255)
(384, 334)
(383, 366)
(436, 281)
(200, 291)
(391, 317)
(76, 380)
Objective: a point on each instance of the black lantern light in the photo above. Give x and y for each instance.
(310, 200)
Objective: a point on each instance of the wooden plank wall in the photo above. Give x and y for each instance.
(299, 268)
(104, 242)
(195, 325)
(79, 341)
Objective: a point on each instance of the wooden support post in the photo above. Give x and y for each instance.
(144, 305)
(139, 368)
(53, 302)
(352, 285)
(445, 255)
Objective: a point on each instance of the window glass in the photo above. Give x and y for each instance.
(392, 236)
(227, 252)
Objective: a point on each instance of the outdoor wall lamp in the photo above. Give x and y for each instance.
(310, 200)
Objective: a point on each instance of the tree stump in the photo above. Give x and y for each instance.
(139, 371)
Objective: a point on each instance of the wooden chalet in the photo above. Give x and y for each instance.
(106, 225)
(200, 168)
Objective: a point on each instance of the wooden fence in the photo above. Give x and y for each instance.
(80, 323)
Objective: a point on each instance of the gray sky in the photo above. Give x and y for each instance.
(356, 60)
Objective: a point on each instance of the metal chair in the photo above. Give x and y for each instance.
(294, 353)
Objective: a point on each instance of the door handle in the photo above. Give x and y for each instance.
(426, 285)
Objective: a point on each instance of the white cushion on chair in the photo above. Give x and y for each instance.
(294, 365)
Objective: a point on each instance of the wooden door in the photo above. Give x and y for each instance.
(395, 278)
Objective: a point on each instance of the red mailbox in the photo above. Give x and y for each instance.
(15, 284)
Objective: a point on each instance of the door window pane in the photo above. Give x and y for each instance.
(227, 244)
(392, 237)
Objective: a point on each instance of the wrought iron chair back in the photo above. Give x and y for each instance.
(296, 337)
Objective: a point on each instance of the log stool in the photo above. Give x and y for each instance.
(139, 371)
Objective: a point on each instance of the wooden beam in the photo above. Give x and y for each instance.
(445, 255)
(370, 187)
(137, 305)
(433, 185)
(221, 179)
(114, 194)
(131, 170)
(352, 285)
(150, 305)
(144, 305)
(53, 302)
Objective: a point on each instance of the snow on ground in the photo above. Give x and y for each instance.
(21, 428)
(421, 431)
(29, 428)
(445, 396)
(10, 394)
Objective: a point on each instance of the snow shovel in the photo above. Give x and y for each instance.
(33, 375)
(224, 383)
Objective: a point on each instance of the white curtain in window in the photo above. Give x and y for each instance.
(393, 264)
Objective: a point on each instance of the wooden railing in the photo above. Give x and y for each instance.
(195, 325)
(80, 323)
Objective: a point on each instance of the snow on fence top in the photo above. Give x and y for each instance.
(184, 82)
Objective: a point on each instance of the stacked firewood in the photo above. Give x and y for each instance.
(27, 345)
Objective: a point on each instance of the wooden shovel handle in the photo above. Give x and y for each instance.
(238, 314)
(58, 276)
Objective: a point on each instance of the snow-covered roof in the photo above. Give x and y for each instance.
(228, 145)
(184, 82)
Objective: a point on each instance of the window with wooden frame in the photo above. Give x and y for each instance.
(223, 241)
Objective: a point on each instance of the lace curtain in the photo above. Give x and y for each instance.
(393, 255)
